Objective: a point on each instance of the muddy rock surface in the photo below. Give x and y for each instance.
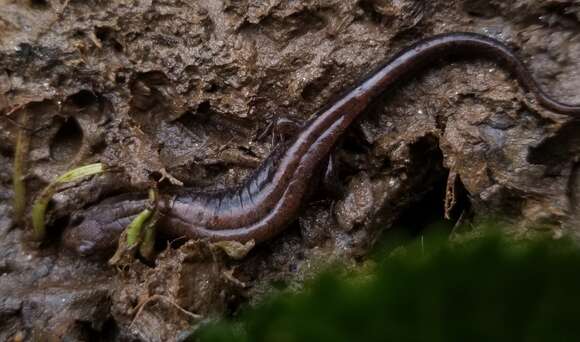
(181, 92)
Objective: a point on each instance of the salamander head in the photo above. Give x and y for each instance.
(95, 231)
(87, 235)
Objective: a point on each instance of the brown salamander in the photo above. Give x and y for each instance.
(270, 199)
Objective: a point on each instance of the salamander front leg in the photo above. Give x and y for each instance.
(330, 180)
(281, 129)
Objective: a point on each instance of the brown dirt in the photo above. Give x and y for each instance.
(186, 87)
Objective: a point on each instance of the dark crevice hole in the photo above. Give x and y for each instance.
(202, 117)
(573, 184)
(429, 209)
(424, 213)
(39, 4)
(369, 9)
(480, 8)
(310, 92)
(67, 141)
(154, 78)
(109, 331)
(120, 78)
(84, 98)
(56, 228)
(193, 121)
(99, 146)
(557, 149)
(103, 33)
(212, 87)
(116, 45)
(354, 142)
(561, 15)
(386, 163)
(106, 36)
(204, 107)
(422, 217)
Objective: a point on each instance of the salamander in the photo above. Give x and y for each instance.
(265, 203)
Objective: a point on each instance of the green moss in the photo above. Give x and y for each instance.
(485, 289)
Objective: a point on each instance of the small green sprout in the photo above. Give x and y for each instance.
(135, 228)
(147, 246)
(41, 202)
(139, 235)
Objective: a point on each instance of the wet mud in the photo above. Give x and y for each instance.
(181, 92)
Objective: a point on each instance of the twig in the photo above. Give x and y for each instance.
(168, 300)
